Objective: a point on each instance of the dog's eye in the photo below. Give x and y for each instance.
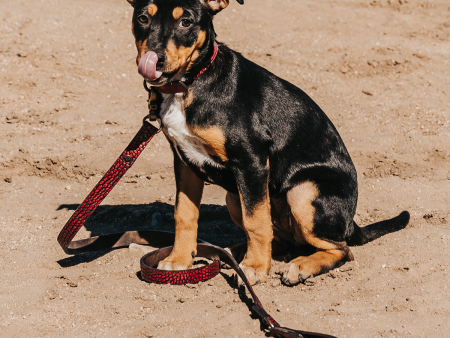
(185, 23)
(143, 18)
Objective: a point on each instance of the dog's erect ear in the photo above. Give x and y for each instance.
(131, 2)
(217, 5)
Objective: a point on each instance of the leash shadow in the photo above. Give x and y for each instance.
(215, 225)
(242, 293)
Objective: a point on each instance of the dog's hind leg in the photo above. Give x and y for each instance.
(234, 208)
(330, 254)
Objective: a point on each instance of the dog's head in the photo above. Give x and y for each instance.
(177, 33)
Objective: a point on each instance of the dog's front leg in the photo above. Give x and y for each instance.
(252, 182)
(189, 195)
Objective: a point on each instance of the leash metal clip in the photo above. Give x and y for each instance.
(149, 118)
(153, 113)
(268, 322)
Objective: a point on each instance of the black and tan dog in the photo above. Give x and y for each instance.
(287, 172)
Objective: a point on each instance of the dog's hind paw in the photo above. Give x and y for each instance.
(292, 275)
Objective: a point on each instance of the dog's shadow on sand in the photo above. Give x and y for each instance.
(215, 224)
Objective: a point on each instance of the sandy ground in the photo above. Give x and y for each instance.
(71, 99)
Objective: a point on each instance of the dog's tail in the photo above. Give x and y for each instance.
(373, 231)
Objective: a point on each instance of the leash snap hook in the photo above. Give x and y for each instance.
(146, 87)
(153, 109)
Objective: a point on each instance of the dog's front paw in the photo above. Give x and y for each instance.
(254, 275)
(294, 274)
(176, 263)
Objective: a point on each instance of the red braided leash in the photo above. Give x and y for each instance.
(106, 184)
(149, 261)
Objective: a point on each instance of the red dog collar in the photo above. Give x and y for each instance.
(181, 86)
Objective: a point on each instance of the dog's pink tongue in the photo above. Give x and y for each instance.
(147, 66)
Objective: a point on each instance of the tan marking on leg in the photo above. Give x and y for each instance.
(189, 194)
(285, 222)
(302, 268)
(257, 225)
(214, 141)
(258, 228)
(181, 59)
(177, 12)
(142, 49)
(152, 9)
(234, 208)
(329, 255)
(300, 200)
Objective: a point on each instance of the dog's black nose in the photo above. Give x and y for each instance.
(161, 60)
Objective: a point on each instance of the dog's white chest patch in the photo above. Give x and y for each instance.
(173, 120)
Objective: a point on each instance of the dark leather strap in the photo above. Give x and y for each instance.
(157, 238)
